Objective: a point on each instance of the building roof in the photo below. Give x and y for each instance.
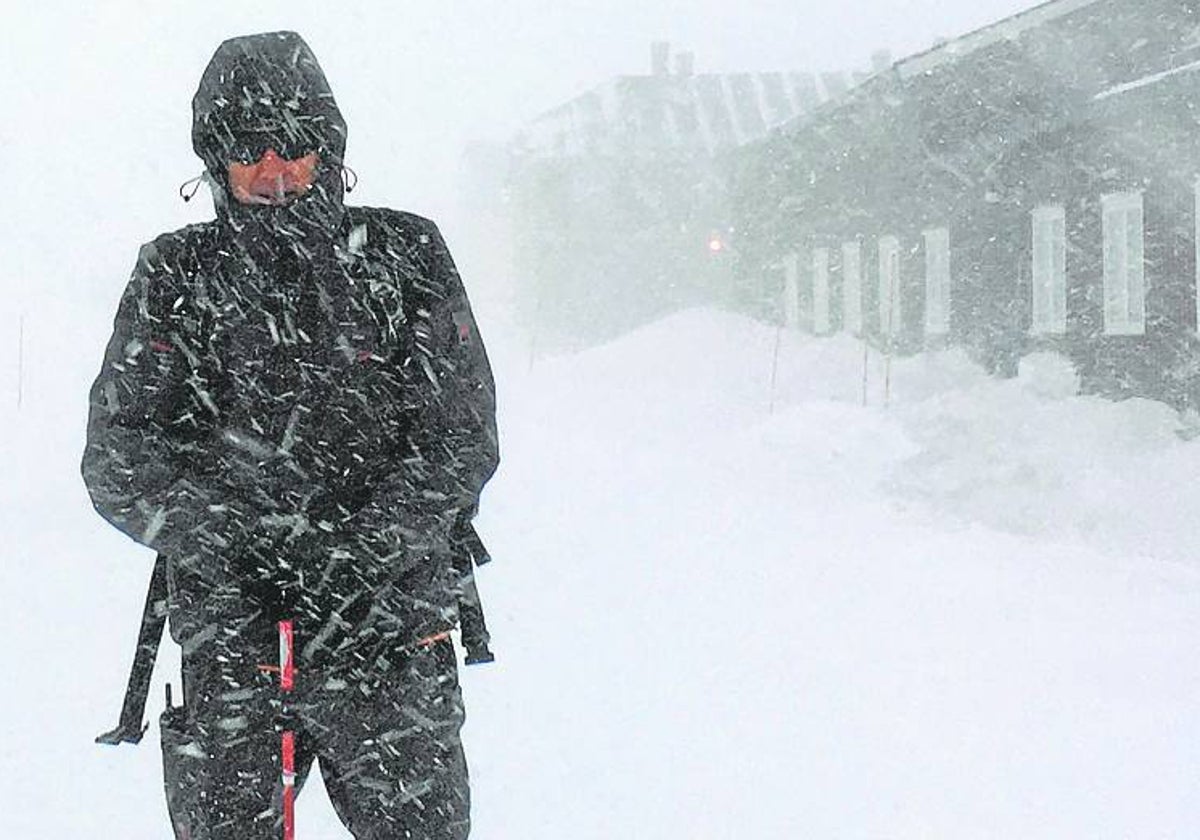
(1006, 29)
(1082, 59)
(654, 113)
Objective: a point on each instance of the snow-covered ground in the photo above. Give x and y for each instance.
(724, 609)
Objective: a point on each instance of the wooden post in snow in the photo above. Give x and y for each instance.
(775, 366)
(866, 360)
(20, 359)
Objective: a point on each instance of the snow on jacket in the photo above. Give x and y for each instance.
(311, 359)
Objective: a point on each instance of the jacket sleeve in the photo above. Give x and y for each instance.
(461, 446)
(142, 463)
(447, 447)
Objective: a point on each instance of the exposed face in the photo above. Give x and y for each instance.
(272, 179)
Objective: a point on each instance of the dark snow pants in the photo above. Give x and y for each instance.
(387, 743)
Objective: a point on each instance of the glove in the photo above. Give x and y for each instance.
(367, 562)
(262, 475)
(269, 562)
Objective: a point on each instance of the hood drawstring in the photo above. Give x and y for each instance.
(347, 174)
(197, 181)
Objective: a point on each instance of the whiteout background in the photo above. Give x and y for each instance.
(720, 612)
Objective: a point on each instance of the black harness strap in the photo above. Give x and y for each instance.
(154, 619)
(469, 552)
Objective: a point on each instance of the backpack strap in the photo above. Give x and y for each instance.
(468, 551)
(154, 618)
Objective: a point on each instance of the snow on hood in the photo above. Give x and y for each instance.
(269, 88)
(265, 84)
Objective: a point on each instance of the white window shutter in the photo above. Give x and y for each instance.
(937, 281)
(791, 290)
(1124, 264)
(1049, 270)
(820, 291)
(1135, 247)
(1057, 292)
(852, 314)
(1197, 247)
(889, 286)
(1114, 270)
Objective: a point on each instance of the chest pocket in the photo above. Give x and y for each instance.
(370, 350)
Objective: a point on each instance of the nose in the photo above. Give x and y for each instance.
(270, 160)
(272, 178)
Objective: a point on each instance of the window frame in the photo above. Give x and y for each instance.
(938, 284)
(852, 287)
(1196, 240)
(791, 290)
(1048, 269)
(1124, 255)
(891, 311)
(820, 289)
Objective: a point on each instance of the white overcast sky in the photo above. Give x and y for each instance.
(95, 134)
(438, 71)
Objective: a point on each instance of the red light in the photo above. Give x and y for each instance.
(715, 244)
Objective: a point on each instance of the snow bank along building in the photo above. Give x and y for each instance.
(619, 197)
(1031, 185)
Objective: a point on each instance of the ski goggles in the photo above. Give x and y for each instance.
(250, 149)
(272, 179)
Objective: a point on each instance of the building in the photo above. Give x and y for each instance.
(619, 197)
(1028, 186)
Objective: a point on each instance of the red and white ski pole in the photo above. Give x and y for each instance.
(287, 680)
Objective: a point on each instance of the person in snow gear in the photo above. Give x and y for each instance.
(295, 410)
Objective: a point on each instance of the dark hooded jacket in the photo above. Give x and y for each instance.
(309, 375)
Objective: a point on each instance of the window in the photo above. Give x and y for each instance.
(889, 286)
(791, 290)
(1050, 270)
(820, 290)
(852, 315)
(1124, 264)
(937, 281)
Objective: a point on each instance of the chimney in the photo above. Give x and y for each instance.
(660, 55)
(881, 60)
(685, 64)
